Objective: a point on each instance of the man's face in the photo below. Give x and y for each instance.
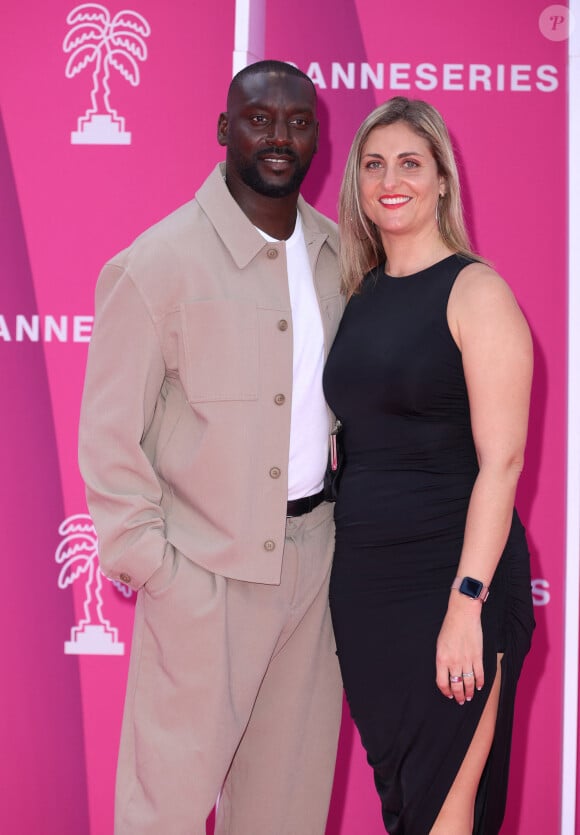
(271, 132)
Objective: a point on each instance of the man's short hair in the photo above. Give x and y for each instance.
(263, 67)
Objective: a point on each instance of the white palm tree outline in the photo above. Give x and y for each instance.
(107, 42)
(78, 554)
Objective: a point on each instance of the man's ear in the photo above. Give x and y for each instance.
(222, 129)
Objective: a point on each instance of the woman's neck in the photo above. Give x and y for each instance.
(409, 255)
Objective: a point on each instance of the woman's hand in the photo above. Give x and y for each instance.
(459, 659)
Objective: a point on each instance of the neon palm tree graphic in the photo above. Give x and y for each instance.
(107, 43)
(77, 553)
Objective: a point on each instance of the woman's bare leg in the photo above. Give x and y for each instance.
(456, 814)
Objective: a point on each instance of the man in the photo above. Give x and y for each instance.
(203, 443)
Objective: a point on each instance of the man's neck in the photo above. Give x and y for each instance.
(276, 216)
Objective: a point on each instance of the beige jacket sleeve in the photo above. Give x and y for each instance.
(125, 373)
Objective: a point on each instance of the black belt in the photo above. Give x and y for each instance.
(298, 507)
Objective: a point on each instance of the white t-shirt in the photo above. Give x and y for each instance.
(309, 417)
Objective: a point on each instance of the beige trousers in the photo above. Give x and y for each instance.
(233, 687)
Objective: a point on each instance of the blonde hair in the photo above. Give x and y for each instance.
(361, 247)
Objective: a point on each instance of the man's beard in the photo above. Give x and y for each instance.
(250, 175)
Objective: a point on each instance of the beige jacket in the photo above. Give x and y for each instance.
(185, 418)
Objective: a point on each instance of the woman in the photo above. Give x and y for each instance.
(430, 377)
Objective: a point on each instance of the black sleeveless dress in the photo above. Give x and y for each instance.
(395, 379)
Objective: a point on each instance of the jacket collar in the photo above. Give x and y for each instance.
(236, 231)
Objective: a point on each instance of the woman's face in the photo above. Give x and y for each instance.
(398, 182)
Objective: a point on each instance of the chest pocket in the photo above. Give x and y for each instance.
(220, 340)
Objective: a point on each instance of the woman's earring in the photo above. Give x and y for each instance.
(441, 196)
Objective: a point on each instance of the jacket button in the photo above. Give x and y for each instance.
(125, 578)
(282, 325)
(269, 545)
(279, 399)
(272, 253)
(275, 472)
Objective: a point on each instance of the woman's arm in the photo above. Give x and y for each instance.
(496, 349)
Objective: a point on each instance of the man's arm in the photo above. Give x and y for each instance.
(125, 372)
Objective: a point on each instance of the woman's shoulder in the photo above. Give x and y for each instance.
(482, 302)
(478, 283)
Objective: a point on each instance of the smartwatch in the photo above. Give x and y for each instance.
(471, 588)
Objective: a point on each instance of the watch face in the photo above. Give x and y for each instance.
(470, 587)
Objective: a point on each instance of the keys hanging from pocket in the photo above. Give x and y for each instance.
(333, 445)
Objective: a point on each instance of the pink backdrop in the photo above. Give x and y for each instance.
(500, 81)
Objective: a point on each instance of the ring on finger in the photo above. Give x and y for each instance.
(467, 675)
(455, 679)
